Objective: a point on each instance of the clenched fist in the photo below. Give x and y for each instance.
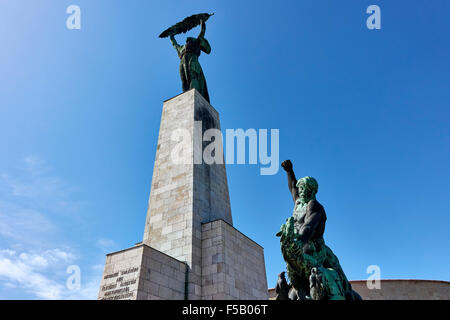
(287, 165)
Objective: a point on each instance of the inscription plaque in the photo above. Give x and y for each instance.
(121, 288)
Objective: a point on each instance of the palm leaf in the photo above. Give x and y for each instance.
(185, 25)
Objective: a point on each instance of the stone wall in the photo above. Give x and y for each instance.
(232, 265)
(404, 290)
(399, 290)
(142, 273)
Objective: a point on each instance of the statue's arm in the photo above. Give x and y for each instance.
(175, 44)
(292, 181)
(203, 30)
(174, 41)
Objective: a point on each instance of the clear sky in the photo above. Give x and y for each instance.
(366, 112)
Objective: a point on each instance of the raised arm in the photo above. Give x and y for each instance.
(203, 30)
(175, 44)
(292, 181)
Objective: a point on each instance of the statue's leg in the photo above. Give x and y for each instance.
(198, 80)
(204, 86)
(195, 84)
(183, 76)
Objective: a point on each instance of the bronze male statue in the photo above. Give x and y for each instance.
(312, 267)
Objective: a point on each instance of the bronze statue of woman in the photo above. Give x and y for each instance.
(190, 70)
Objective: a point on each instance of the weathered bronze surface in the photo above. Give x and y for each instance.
(313, 269)
(191, 72)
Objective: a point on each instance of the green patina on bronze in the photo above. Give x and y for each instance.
(312, 267)
(191, 72)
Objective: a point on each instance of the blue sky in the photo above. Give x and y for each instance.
(364, 112)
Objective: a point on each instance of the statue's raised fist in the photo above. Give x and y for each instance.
(287, 165)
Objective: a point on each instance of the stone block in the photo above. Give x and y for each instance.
(139, 273)
(233, 262)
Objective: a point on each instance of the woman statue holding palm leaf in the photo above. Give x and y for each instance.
(190, 70)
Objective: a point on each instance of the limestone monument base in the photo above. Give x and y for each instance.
(190, 249)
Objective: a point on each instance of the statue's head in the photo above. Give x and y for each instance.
(307, 188)
(189, 40)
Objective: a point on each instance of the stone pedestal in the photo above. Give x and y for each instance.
(189, 219)
(233, 265)
(142, 273)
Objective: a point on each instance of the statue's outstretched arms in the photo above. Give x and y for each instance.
(292, 181)
(203, 30)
